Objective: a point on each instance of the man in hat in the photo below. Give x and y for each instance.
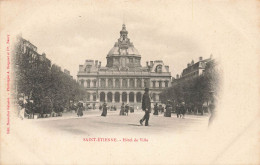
(146, 106)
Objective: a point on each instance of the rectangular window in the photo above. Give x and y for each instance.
(94, 83)
(160, 84)
(88, 84)
(166, 84)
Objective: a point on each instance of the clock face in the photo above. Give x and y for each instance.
(159, 68)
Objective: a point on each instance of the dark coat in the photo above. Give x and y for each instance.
(182, 109)
(104, 113)
(122, 111)
(126, 108)
(146, 102)
(80, 111)
(155, 110)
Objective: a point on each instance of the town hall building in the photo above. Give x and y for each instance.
(123, 79)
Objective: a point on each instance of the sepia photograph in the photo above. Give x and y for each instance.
(129, 82)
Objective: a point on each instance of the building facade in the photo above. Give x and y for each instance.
(123, 79)
(192, 70)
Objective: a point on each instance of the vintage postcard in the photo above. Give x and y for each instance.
(129, 82)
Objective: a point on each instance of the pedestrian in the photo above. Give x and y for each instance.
(212, 112)
(21, 110)
(182, 110)
(168, 109)
(178, 110)
(104, 106)
(122, 111)
(126, 109)
(146, 106)
(155, 109)
(80, 109)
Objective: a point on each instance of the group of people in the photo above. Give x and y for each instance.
(180, 110)
(124, 109)
(146, 106)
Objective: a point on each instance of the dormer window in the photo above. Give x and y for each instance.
(158, 69)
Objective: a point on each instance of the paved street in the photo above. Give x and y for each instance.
(167, 138)
(92, 124)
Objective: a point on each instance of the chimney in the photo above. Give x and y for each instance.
(147, 63)
(188, 65)
(96, 63)
(99, 64)
(177, 76)
(43, 55)
(192, 62)
(200, 59)
(151, 63)
(167, 67)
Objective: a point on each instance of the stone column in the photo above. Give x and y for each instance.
(106, 80)
(113, 97)
(114, 82)
(121, 82)
(127, 99)
(105, 96)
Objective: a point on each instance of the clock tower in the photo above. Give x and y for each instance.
(123, 56)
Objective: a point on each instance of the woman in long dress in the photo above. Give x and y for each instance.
(22, 111)
(104, 113)
(80, 110)
(122, 111)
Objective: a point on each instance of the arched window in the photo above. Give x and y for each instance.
(158, 69)
(109, 97)
(124, 97)
(117, 97)
(138, 97)
(102, 97)
(131, 97)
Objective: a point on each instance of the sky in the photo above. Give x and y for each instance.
(176, 32)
